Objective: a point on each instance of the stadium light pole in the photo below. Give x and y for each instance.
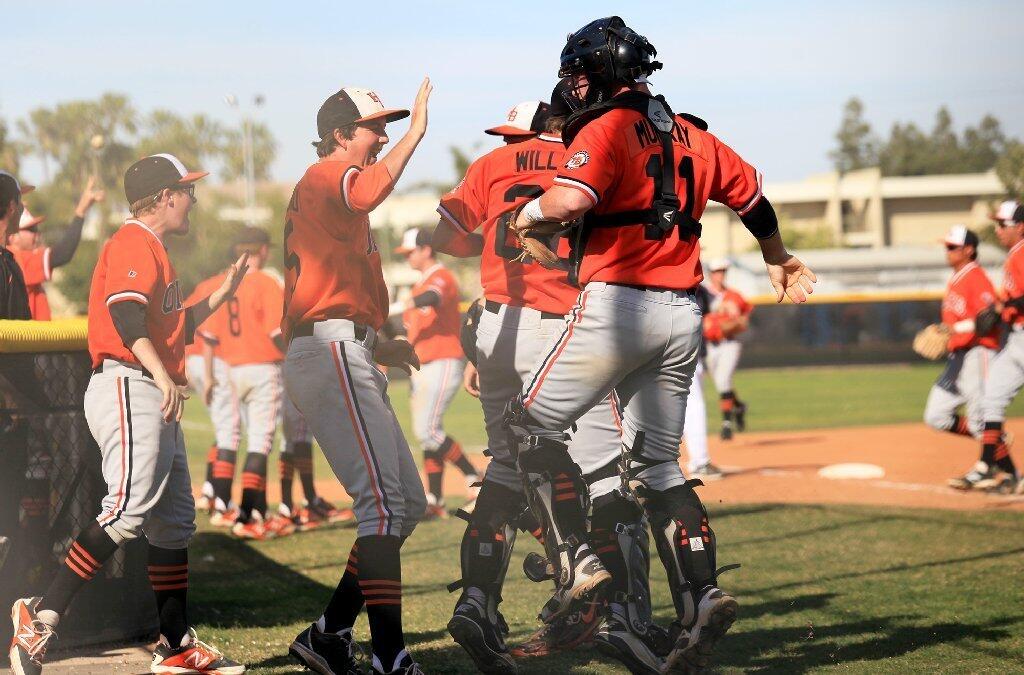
(248, 152)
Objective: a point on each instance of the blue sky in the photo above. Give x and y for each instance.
(770, 77)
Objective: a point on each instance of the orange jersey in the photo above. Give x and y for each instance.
(332, 265)
(134, 267)
(730, 303)
(968, 292)
(1013, 282)
(434, 330)
(500, 181)
(202, 291)
(615, 162)
(35, 267)
(244, 327)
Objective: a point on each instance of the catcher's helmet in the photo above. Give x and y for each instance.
(609, 53)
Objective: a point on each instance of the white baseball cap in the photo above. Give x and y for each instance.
(411, 239)
(524, 119)
(1009, 212)
(719, 265)
(352, 105)
(28, 220)
(959, 235)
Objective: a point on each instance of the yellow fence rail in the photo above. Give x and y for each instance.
(61, 335)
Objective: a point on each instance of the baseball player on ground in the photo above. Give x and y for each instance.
(137, 333)
(1006, 372)
(214, 392)
(432, 323)
(38, 262)
(524, 309)
(733, 314)
(640, 178)
(335, 303)
(962, 382)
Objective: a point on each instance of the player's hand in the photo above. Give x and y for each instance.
(174, 397)
(418, 118)
(231, 281)
(471, 380)
(90, 195)
(791, 277)
(397, 353)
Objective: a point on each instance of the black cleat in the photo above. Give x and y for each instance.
(326, 653)
(481, 639)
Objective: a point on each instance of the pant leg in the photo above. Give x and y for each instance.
(409, 478)
(263, 397)
(225, 408)
(695, 423)
(293, 424)
(342, 395)
(172, 522)
(434, 386)
(726, 360)
(1005, 380)
(971, 384)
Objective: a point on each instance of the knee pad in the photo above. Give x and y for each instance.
(542, 455)
(488, 540)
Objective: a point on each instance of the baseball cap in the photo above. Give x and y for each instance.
(411, 239)
(28, 220)
(19, 187)
(351, 105)
(252, 235)
(150, 175)
(524, 119)
(1009, 212)
(959, 235)
(719, 265)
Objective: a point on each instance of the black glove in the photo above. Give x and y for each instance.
(986, 320)
(467, 335)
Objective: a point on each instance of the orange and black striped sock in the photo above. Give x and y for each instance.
(254, 485)
(960, 426)
(88, 552)
(344, 606)
(433, 466)
(224, 474)
(211, 459)
(302, 458)
(286, 469)
(995, 448)
(168, 574)
(727, 403)
(380, 581)
(528, 523)
(453, 454)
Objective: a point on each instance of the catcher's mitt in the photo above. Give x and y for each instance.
(931, 341)
(539, 240)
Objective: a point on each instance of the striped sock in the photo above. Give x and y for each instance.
(168, 574)
(380, 581)
(86, 556)
(254, 485)
(224, 474)
(347, 600)
(528, 523)
(960, 426)
(991, 437)
(302, 458)
(433, 466)
(211, 459)
(995, 444)
(452, 452)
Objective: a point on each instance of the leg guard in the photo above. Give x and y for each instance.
(619, 531)
(686, 545)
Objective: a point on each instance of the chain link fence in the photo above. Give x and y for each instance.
(51, 487)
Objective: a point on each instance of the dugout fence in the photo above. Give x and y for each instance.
(51, 486)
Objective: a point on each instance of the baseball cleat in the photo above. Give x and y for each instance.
(707, 472)
(435, 512)
(225, 518)
(740, 414)
(575, 628)
(980, 477)
(279, 526)
(327, 511)
(203, 503)
(481, 639)
(617, 640)
(195, 657)
(28, 645)
(586, 576)
(1005, 484)
(327, 653)
(716, 612)
(726, 433)
(403, 665)
(253, 529)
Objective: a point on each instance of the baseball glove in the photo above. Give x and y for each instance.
(539, 240)
(931, 341)
(467, 334)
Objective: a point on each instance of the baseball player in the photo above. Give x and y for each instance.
(213, 390)
(138, 327)
(524, 309)
(724, 350)
(38, 262)
(695, 422)
(640, 178)
(13, 295)
(1006, 372)
(962, 382)
(335, 303)
(432, 322)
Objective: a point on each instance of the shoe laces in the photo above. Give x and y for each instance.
(209, 650)
(43, 633)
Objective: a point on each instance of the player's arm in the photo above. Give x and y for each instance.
(129, 317)
(449, 239)
(201, 311)
(62, 251)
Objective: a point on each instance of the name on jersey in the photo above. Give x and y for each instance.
(647, 134)
(535, 160)
(172, 298)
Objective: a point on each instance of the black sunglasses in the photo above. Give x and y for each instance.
(952, 247)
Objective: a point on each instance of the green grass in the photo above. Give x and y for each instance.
(821, 588)
(855, 589)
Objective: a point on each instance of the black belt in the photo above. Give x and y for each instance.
(691, 289)
(495, 307)
(306, 330)
(145, 373)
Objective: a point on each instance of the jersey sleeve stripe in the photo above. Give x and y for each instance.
(132, 296)
(752, 202)
(579, 185)
(447, 215)
(274, 333)
(345, 180)
(47, 270)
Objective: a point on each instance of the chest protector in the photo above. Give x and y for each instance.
(664, 214)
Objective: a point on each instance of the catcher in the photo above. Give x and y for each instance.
(967, 352)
